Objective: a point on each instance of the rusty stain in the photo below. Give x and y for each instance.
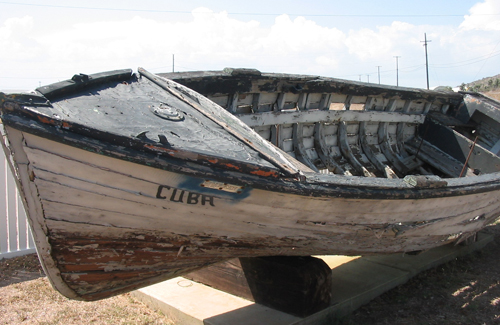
(170, 151)
(46, 120)
(228, 165)
(264, 173)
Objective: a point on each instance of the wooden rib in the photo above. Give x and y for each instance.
(280, 102)
(410, 161)
(232, 103)
(400, 129)
(347, 151)
(302, 101)
(368, 103)
(347, 103)
(300, 150)
(386, 149)
(427, 107)
(385, 145)
(255, 102)
(326, 100)
(323, 152)
(275, 128)
(370, 154)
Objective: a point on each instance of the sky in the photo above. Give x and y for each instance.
(46, 41)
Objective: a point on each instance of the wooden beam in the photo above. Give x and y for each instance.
(299, 286)
(313, 116)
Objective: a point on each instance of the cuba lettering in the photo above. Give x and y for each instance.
(182, 196)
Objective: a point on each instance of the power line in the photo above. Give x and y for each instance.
(486, 60)
(243, 13)
(464, 63)
(478, 57)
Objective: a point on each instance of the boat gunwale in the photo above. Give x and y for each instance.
(314, 83)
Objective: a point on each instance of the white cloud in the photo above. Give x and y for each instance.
(301, 35)
(368, 44)
(15, 39)
(483, 16)
(214, 40)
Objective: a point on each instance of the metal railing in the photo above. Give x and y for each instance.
(15, 233)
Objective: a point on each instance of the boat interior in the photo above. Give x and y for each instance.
(351, 128)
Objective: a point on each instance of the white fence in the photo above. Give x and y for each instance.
(15, 233)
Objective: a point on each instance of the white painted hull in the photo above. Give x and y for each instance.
(100, 218)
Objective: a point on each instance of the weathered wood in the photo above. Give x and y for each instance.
(299, 147)
(323, 152)
(369, 152)
(313, 116)
(459, 147)
(436, 158)
(299, 286)
(347, 151)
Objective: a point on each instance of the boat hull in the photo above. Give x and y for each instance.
(105, 226)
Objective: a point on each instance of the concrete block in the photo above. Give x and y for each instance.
(188, 302)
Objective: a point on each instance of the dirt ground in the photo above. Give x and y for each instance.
(464, 291)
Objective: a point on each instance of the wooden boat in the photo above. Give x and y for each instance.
(131, 178)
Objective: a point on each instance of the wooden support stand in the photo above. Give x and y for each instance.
(299, 286)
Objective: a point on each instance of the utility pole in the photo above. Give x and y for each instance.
(368, 76)
(397, 70)
(378, 68)
(425, 41)
(359, 77)
(173, 61)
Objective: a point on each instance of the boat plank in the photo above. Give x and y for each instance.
(290, 207)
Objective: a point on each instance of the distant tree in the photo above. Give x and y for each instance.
(463, 88)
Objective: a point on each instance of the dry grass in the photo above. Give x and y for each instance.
(35, 302)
